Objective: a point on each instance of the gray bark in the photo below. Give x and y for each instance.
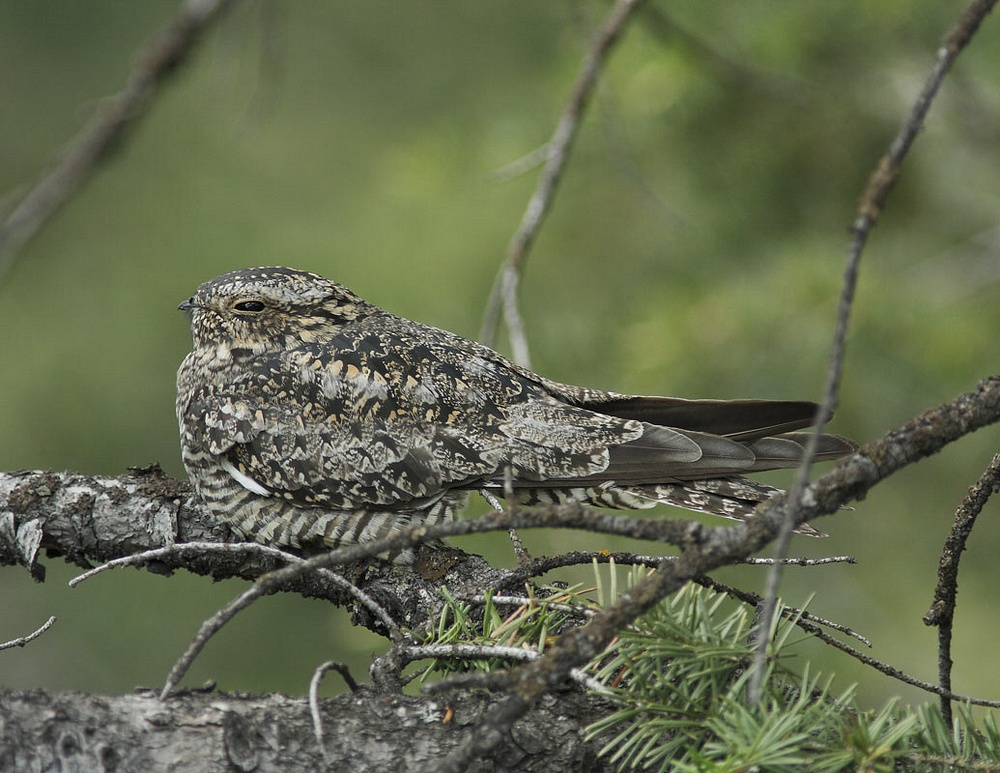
(214, 732)
(89, 520)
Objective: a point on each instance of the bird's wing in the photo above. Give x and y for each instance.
(362, 424)
(395, 422)
(327, 431)
(736, 419)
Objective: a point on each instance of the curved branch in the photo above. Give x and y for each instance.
(879, 186)
(106, 129)
(942, 611)
(504, 293)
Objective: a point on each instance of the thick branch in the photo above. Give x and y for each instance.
(75, 731)
(96, 519)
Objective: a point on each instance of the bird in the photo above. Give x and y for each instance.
(311, 419)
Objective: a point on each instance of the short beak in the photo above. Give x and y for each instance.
(186, 305)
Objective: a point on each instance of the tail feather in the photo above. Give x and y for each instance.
(736, 419)
(734, 498)
(693, 454)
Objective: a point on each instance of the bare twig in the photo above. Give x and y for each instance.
(794, 614)
(814, 626)
(895, 673)
(515, 539)
(105, 130)
(314, 683)
(408, 654)
(543, 564)
(208, 629)
(504, 293)
(180, 550)
(942, 611)
(872, 200)
(200, 548)
(21, 641)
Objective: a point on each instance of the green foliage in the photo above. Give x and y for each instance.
(529, 626)
(678, 679)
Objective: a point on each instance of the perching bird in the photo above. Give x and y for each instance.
(309, 417)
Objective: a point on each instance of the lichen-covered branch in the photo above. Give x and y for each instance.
(199, 731)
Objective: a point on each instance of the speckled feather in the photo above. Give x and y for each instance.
(308, 415)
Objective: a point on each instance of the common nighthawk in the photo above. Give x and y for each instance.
(309, 417)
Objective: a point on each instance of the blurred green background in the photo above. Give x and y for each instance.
(696, 249)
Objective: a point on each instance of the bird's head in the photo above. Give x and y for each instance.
(270, 309)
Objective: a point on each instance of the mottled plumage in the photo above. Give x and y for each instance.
(309, 417)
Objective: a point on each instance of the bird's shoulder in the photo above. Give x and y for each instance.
(390, 372)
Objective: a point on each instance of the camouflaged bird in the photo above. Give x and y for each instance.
(309, 417)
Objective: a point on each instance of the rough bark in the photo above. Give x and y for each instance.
(215, 732)
(91, 520)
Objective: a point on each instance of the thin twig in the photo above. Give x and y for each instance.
(181, 549)
(409, 654)
(21, 641)
(208, 629)
(872, 200)
(811, 624)
(200, 548)
(503, 296)
(542, 564)
(792, 613)
(942, 611)
(159, 58)
(520, 552)
(314, 683)
(895, 673)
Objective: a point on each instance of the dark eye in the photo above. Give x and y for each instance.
(250, 306)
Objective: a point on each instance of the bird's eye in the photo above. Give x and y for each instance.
(249, 306)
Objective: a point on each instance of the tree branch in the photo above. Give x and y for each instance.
(71, 514)
(105, 131)
(942, 611)
(709, 548)
(504, 293)
(75, 731)
(874, 197)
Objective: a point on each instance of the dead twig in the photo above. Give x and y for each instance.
(407, 654)
(160, 57)
(201, 548)
(872, 200)
(503, 296)
(942, 611)
(21, 641)
(314, 684)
